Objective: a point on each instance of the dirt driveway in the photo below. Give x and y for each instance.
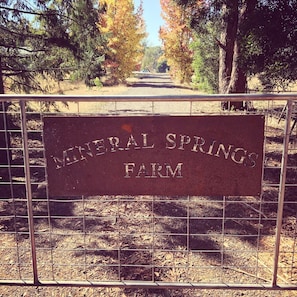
(139, 85)
(155, 84)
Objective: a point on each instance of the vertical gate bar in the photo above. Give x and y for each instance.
(188, 237)
(84, 236)
(49, 221)
(119, 239)
(281, 195)
(8, 152)
(29, 190)
(153, 239)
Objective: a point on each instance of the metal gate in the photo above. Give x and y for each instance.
(145, 241)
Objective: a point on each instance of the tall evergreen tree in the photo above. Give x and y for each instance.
(44, 38)
(205, 62)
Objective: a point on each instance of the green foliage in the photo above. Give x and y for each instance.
(269, 43)
(266, 35)
(45, 38)
(151, 57)
(205, 63)
(98, 83)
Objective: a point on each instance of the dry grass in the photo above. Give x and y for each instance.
(79, 88)
(68, 87)
(254, 84)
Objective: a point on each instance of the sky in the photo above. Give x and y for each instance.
(153, 20)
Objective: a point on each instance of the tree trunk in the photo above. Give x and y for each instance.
(238, 80)
(232, 75)
(227, 43)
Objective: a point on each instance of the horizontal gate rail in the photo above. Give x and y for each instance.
(146, 241)
(128, 98)
(150, 285)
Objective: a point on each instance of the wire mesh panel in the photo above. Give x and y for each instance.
(123, 240)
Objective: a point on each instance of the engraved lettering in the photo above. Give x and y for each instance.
(114, 142)
(211, 147)
(226, 152)
(132, 142)
(171, 144)
(129, 168)
(152, 170)
(176, 173)
(142, 171)
(145, 142)
(58, 162)
(99, 147)
(159, 169)
(184, 140)
(156, 170)
(69, 157)
(85, 151)
(251, 160)
(199, 143)
(238, 155)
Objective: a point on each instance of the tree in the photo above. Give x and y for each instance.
(205, 62)
(270, 43)
(254, 36)
(151, 58)
(228, 16)
(88, 40)
(176, 38)
(46, 38)
(41, 39)
(123, 30)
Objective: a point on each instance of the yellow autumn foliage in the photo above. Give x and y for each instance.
(176, 37)
(124, 30)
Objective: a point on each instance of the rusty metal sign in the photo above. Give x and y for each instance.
(164, 155)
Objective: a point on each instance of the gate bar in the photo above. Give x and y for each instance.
(281, 195)
(149, 285)
(29, 190)
(154, 98)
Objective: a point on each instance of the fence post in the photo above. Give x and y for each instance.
(281, 193)
(29, 190)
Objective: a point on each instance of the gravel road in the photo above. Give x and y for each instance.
(155, 84)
